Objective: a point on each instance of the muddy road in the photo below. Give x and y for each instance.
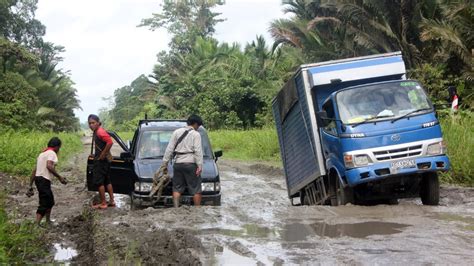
(257, 225)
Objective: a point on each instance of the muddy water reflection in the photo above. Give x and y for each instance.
(63, 254)
(299, 232)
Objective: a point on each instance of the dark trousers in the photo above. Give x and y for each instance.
(45, 194)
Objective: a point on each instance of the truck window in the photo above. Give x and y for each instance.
(329, 108)
(153, 144)
(387, 100)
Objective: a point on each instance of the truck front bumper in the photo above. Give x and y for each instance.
(383, 170)
(208, 198)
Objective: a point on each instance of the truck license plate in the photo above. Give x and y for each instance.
(403, 164)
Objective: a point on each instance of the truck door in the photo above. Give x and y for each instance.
(329, 137)
(122, 174)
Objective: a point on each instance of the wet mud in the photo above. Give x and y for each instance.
(256, 224)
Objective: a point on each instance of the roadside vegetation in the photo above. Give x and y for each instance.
(458, 133)
(19, 242)
(247, 145)
(18, 150)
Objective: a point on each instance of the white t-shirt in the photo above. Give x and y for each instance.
(42, 163)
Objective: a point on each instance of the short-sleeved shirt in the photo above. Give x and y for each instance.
(42, 163)
(189, 150)
(101, 139)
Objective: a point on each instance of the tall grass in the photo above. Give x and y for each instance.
(19, 150)
(458, 133)
(248, 145)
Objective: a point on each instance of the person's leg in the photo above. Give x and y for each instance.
(176, 197)
(110, 190)
(193, 184)
(179, 184)
(99, 174)
(42, 198)
(197, 199)
(38, 218)
(48, 215)
(103, 202)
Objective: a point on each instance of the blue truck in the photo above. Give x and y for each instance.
(356, 131)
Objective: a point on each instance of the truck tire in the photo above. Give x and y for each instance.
(304, 200)
(217, 202)
(429, 189)
(340, 195)
(132, 202)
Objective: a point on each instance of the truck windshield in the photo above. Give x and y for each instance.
(153, 144)
(384, 101)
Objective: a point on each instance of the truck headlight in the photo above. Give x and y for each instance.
(143, 186)
(211, 186)
(352, 161)
(436, 148)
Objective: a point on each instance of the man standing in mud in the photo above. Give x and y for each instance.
(42, 175)
(186, 150)
(102, 157)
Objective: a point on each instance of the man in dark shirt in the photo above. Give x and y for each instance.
(102, 157)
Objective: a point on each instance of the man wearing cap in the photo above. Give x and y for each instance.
(186, 150)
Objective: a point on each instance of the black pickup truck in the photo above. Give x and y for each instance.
(132, 170)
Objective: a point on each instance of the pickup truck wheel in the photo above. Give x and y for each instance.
(217, 202)
(132, 202)
(429, 189)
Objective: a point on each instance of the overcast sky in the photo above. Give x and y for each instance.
(105, 50)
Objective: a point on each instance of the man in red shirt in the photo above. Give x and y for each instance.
(102, 157)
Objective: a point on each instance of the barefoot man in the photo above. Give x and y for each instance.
(101, 178)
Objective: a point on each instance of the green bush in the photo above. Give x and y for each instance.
(458, 133)
(248, 145)
(19, 150)
(19, 242)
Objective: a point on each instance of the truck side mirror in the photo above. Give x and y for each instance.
(217, 154)
(323, 118)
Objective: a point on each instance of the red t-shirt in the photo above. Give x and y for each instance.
(103, 135)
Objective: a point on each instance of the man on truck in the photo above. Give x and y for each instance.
(186, 150)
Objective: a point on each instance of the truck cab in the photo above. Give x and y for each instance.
(133, 168)
(356, 130)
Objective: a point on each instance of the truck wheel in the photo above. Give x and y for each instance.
(429, 189)
(304, 200)
(340, 195)
(217, 202)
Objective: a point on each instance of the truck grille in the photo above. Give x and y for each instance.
(398, 153)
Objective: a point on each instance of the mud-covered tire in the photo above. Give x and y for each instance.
(429, 189)
(134, 202)
(217, 202)
(304, 200)
(340, 195)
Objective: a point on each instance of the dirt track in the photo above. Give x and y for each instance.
(257, 225)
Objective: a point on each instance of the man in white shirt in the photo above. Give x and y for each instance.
(185, 147)
(42, 175)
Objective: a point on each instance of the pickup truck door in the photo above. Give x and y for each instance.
(122, 174)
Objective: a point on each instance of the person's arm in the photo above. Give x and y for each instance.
(51, 167)
(104, 136)
(198, 157)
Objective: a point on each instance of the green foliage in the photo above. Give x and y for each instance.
(29, 67)
(17, 101)
(247, 145)
(19, 150)
(18, 242)
(458, 133)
